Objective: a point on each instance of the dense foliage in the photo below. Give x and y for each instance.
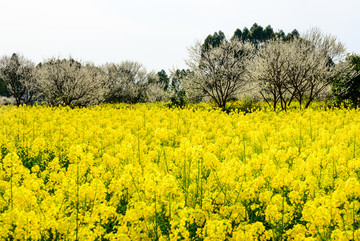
(348, 88)
(3, 89)
(256, 35)
(132, 172)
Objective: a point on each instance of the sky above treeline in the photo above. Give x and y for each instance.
(157, 33)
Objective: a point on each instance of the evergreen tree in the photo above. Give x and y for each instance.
(164, 79)
(237, 35)
(213, 40)
(268, 32)
(246, 34)
(257, 34)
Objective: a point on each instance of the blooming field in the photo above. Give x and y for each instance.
(122, 172)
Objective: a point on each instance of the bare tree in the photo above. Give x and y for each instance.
(71, 83)
(220, 72)
(19, 74)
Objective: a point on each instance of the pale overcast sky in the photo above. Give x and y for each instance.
(157, 33)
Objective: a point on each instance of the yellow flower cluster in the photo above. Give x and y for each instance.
(147, 172)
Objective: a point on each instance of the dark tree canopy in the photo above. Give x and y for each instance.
(246, 35)
(237, 34)
(257, 34)
(213, 40)
(281, 35)
(345, 88)
(269, 32)
(164, 79)
(3, 89)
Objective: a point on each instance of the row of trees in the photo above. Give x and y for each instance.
(280, 68)
(70, 82)
(257, 35)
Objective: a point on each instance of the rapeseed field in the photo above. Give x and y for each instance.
(148, 172)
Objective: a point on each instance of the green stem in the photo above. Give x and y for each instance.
(77, 202)
(11, 189)
(282, 215)
(156, 221)
(353, 224)
(355, 146)
(139, 157)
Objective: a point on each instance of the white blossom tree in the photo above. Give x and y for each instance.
(220, 72)
(69, 82)
(19, 75)
(300, 69)
(130, 82)
(268, 69)
(322, 57)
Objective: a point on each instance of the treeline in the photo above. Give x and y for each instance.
(275, 67)
(256, 35)
(74, 83)
(259, 62)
